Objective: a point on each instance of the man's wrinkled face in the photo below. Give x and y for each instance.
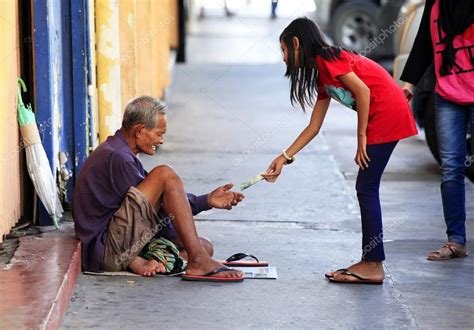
(149, 139)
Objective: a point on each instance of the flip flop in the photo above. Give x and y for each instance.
(209, 277)
(328, 275)
(236, 261)
(360, 279)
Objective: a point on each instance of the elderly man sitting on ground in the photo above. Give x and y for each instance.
(118, 206)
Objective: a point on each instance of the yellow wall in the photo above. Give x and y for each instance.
(134, 38)
(160, 49)
(144, 34)
(174, 35)
(108, 67)
(93, 93)
(127, 24)
(10, 197)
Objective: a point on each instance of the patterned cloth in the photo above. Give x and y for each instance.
(166, 253)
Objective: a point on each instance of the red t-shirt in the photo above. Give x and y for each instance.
(390, 117)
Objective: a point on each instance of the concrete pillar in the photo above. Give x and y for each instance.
(144, 34)
(128, 50)
(108, 67)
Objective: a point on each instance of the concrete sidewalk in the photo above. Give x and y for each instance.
(38, 282)
(227, 122)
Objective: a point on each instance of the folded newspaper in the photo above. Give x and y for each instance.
(269, 273)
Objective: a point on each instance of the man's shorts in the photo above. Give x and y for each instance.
(134, 224)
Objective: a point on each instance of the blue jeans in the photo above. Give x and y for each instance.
(452, 121)
(367, 187)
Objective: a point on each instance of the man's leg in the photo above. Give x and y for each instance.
(169, 232)
(163, 186)
(206, 244)
(452, 121)
(130, 228)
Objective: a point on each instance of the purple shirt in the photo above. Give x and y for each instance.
(103, 182)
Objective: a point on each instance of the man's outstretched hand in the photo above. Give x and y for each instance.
(223, 198)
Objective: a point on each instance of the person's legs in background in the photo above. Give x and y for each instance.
(274, 8)
(227, 11)
(202, 12)
(452, 121)
(199, 4)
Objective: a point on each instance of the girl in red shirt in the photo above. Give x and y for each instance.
(384, 118)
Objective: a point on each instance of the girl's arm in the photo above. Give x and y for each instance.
(317, 118)
(362, 96)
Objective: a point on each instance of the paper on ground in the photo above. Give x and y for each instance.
(124, 273)
(259, 272)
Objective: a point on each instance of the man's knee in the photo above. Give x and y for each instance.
(164, 173)
(207, 245)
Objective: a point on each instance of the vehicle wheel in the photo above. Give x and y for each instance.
(429, 123)
(432, 140)
(354, 26)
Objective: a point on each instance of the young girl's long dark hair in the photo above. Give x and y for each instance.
(303, 79)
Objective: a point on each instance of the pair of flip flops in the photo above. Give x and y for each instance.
(359, 279)
(235, 261)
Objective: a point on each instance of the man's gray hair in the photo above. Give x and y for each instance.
(143, 110)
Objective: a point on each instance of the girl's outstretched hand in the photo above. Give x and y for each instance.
(274, 170)
(361, 157)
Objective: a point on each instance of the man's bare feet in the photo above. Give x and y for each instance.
(145, 267)
(205, 264)
(368, 269)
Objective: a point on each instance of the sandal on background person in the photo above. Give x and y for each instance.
(448, 251)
